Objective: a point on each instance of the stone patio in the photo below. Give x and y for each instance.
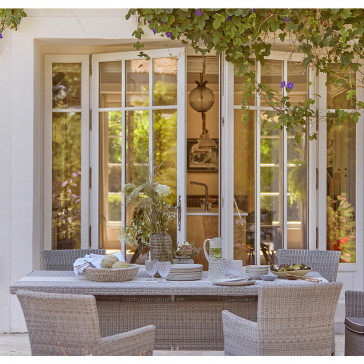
(18, 345)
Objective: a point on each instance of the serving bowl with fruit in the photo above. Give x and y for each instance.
(292, 269)
(112, 270)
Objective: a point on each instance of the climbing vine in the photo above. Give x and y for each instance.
(331, 41)
(10, 18)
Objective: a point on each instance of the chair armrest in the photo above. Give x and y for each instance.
(354, 303)
(240, 335)
(135, 342)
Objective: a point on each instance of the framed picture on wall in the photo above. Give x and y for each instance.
(202, 161)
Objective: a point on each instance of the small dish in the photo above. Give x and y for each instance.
(268, 277)
(231, 282)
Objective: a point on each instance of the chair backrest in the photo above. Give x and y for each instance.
(295, 319)
(64, 259)
(61, 324)
(326, 262)
(354, 303)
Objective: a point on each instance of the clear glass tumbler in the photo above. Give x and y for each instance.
(151, 266)
(236, 267)
(163, 269)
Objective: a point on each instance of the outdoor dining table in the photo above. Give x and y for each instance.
(187, 314)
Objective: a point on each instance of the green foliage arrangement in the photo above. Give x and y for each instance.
(10, 19)
(326, 38)
(151, 212)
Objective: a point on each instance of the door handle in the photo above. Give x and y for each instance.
(179, 213)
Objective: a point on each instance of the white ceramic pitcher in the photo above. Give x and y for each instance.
(214, 257)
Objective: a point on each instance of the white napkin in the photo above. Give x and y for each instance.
(92, 260)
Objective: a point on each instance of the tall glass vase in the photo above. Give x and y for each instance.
(161, 247)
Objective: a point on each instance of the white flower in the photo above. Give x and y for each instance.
(163, 190)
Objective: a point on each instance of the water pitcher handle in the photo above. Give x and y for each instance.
(204, 249)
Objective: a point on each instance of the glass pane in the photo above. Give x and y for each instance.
(271, 77)
(336, 93)
(296, 193)
(239, 81)
(110, 84)
(137, 162)
(202, 180)
(298, 76)
(164, 81)
(66, 181)
(270, 187)
(66, 85)
(341, 159)
(110, 178)
(137, 82)
(165, 158)
(244, 188)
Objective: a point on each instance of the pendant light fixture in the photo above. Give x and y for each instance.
(202, 99)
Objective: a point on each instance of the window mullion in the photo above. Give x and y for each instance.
(257, 171)
(151, 123)
(284, 168)
(123, 150)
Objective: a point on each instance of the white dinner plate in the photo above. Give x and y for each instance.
(229, 282)
(183, 278)
(186, 266)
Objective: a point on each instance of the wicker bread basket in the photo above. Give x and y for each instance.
(111, 275)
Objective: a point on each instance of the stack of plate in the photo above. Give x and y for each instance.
(185, 272)
(255, 271)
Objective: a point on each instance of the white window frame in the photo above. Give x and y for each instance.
(48, 111)
(227, 214)
(178, 53)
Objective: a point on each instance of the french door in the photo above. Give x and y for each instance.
(138, 131)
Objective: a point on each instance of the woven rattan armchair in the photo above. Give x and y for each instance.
(326, 262)
(354, 334)
(64, 259)
(65, 324)
(291, 320)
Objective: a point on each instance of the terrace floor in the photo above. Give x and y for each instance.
(18, 345)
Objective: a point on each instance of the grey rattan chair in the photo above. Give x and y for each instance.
(65, 324)
(354, 336)
(64, 259)
(291, 320)
(326, 262)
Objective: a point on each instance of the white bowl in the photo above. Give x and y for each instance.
(268, 277)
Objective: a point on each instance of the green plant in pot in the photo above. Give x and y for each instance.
(151, 215)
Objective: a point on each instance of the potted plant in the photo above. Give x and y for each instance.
(151, 214)
(186, 250)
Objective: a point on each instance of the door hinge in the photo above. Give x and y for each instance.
(90, 120)
(179, 213)
(89, 236)
(90, 177)
(90, 65)
(317, 178)
(223, 121)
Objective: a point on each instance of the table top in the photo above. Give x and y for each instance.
(67, 282)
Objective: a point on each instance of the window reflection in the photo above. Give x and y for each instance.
(66, 85)
(66, 181)
(341, 196)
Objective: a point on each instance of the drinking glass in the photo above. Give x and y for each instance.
(236, 267)
(151, 266)
(163, 269)
(227, 267)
